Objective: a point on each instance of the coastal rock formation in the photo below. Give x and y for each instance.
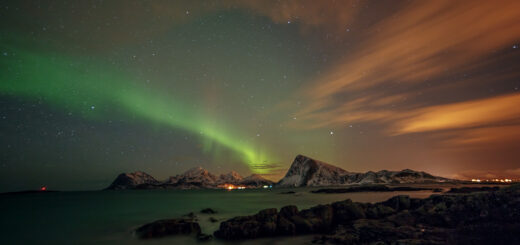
(478, 218)
(306, 171)
(168, 227)
(132, 180)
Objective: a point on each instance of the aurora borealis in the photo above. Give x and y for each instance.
(93, 88)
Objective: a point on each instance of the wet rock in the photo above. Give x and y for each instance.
(208, 211)
(285, 226)
(398, 203)
(378, 211)
(168, 227)
(288, 192)
(204, 237)
(190, 215)
(288, 211)
(346, 211)
(475, 218)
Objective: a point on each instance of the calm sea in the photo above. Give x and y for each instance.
(109, 217)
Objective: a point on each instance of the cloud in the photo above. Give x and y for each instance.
(408, 71)
(466, 114)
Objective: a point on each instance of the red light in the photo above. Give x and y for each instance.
(43, 188)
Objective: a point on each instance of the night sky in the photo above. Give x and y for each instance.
(90, 89)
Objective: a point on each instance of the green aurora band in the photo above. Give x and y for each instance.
(84, 87)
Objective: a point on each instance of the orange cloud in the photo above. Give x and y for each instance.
(408, 54)
(467, 114)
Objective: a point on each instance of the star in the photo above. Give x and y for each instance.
(331, 133)
(92, 107)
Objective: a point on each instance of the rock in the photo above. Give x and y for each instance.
(475, 218)
(288, 211)
(168, 227)
(346, 211)
(190, 215)
(378, 211)
(208, 211)
(398, 203)
(212, 220)
(288, 192)
(285, 226)
(204, 237)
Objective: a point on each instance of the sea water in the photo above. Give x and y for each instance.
(110, 217)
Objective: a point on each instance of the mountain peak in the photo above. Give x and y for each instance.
(305, 171)
(131, 180)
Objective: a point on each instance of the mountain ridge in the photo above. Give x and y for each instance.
(303, 172)
(193, 178)
(306, 171)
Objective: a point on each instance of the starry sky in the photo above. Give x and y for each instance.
(90, 89)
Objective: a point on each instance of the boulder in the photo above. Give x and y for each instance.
(346, 211)
(208, 211)
(168, 227)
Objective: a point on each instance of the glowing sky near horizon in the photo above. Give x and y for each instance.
(90, 89)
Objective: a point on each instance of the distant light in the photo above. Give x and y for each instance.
(270, 186)
(43, 188)
(515, 46)
(265, 186)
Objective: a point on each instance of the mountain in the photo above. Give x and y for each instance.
(230, 178)
(132, 180)
(306, 171)
(194, 178)
(255, 180)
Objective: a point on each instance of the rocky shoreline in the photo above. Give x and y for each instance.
(476, 218)
(489, 215)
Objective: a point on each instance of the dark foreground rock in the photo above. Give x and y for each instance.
(371, 188)
(208, 211)
(478, 218)
(168, 227)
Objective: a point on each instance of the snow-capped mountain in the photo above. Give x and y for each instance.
(230, 178)
(255, 180)
(194, 178)
(306, 171)
(132, 180)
